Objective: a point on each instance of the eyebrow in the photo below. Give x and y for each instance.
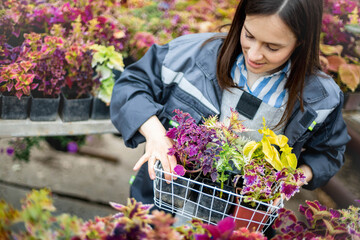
(275, 44)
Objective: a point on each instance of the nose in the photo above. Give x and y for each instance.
(254, 52)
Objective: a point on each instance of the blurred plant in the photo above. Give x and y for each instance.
(140, 43)
(340, 46)
(80, 74)
(67, 143)
(20, 148)
(8, 215)
(16, 19)
(321, 223)
(16, 79)
(225, 230)
(105, 60)
(49, 56)
(132, 222)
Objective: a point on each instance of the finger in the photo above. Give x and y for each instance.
(166, 166)
(276, 202)
(151, 163)
(140, 162)
(173, 163)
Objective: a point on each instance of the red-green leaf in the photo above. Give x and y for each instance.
(335, 62)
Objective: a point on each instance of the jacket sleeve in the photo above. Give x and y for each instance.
(324, 151)
(136, 95)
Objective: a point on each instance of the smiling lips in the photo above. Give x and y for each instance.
(254, 64)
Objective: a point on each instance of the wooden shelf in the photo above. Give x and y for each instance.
(352, 119)
(27, 128)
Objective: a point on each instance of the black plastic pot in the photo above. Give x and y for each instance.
(44, 109)
(99, 109)
(210, 206)
(14, 108)
(174, 193)
(75, 109)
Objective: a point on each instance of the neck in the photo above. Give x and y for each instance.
(252, 77)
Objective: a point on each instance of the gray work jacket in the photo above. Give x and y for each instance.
(182, 75)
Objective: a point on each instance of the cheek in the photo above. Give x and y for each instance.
(278, 58)
(244, 42)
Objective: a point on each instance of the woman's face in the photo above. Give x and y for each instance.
(267, 43)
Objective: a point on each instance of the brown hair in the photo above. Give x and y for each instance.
(303, 17)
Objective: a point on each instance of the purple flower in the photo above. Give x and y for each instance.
(72, 147)
(179, 170)
(10, 151)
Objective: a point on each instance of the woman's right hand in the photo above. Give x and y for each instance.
(157, 148)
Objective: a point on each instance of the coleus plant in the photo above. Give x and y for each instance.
(133, 221)
(340, 45)
(48, 53)
(321, 223)
(212, 147)
(191, 142)
(270, 173)
(78, 66)
(230, 149)
(16, 79)
(105, 60)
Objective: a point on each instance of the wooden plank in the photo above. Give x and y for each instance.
(352, 119)
(27, 128)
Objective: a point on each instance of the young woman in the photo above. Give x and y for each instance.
(267, 65)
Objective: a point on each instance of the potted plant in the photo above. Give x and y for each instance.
(49, 56)
(190, 143)
(16, 83)
(238, 171)
(340, 48)
(75, 101)
(205, 154)
(227, 159)
(269, 174)
(106, 61)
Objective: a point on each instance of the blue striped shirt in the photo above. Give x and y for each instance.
(270, 88)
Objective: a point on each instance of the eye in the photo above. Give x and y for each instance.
(247, 35)
(272, 48)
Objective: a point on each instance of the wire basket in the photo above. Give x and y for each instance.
(200, 199)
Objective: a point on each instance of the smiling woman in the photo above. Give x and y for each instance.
(267, 43)
(267, 65)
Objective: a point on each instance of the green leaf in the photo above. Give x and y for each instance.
(354, 28)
